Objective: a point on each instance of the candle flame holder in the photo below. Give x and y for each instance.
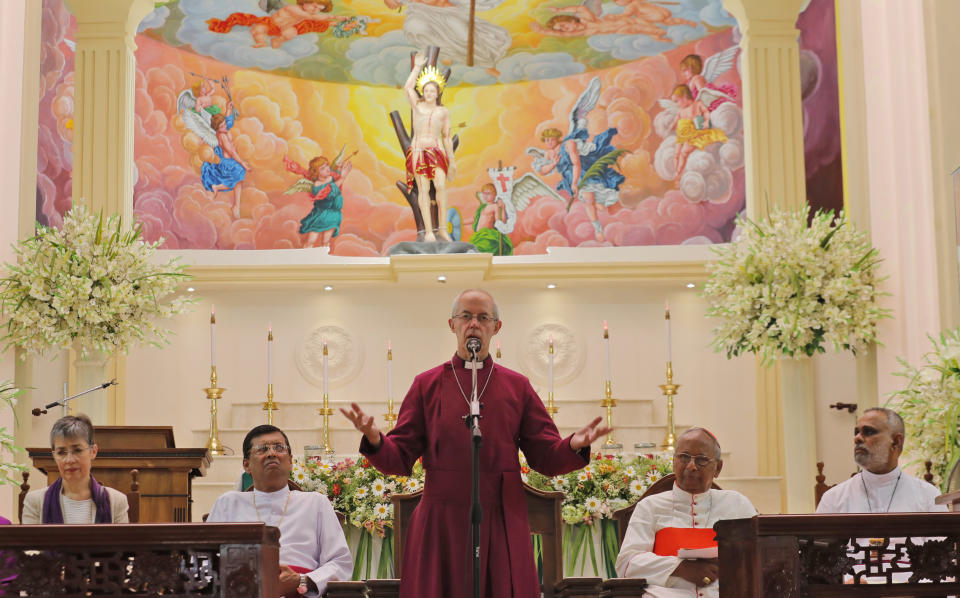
(670, 390)
(326, 412)
(609, 403)
(214, 393)
(269, 406)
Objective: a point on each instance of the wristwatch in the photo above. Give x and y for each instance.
(302, 588)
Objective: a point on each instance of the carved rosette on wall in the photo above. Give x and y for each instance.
(344, 356)
(569, 354)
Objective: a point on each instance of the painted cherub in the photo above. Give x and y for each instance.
(692, 122)
(289, 21)
(699, 76)
(648, 12)
(573, 25)
(322, 181)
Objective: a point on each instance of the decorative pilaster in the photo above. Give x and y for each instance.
(103, 142)
(775, 177)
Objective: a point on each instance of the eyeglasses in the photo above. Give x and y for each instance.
(466, 317)
(279, 448)
(700, 461)
(76, 453)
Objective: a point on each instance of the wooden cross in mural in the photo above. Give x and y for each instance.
(410, 193)
(472, 24)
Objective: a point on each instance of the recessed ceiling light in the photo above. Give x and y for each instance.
(441, 278)
(690, 285)
(191, 289)
(551, 286)
(328, 288)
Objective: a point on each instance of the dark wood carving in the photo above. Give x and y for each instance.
(909, 554)
(383, 588)
(222, 560)
(622, 588)
(346, 589)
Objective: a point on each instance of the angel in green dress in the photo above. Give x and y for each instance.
(321, 179)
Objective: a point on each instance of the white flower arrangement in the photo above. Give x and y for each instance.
(9, 470)
(783, 288)
(89, 283)
(930, 406)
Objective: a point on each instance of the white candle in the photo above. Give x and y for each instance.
(606, 347)
(667, 320)
(389, 371)
(213, 337)
(498, 349)
(324, 367)
(269, 353)
(550, 355)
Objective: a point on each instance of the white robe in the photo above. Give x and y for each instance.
(910, 495)
(675, 508)
(310, 534)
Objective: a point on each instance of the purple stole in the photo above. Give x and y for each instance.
(52, 512)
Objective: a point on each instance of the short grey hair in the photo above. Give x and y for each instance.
(716, 443)
(456, 302)
(894, 421)
(72, 426)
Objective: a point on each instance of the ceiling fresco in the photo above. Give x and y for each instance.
(369, 41)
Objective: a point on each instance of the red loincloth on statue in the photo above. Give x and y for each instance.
(670, 540)
(427, 162)
(242, 19)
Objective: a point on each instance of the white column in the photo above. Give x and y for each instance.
(902, 218)
(12, 27)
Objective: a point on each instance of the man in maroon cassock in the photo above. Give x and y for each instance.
(431, 425)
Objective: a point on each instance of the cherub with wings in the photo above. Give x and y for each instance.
(587, 168)
(699, 77)
(285, 21)
(203, 117)
(321, 179)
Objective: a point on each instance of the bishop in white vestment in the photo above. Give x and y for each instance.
(313, 549)
(664, 524)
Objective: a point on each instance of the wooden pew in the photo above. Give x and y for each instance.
(200, 559)
(807, 556)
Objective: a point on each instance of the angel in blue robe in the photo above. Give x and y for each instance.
(321, 179)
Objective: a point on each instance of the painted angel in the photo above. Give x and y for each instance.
(699, 77)
(691, 121)
(321, 179)
(204, 118)
(587, 167)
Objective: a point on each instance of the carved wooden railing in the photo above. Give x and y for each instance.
(210, 559)
(800, 556)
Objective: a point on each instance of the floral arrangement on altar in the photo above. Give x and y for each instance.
(9, 471)
(783, 288)
(357, 490)
(606, 484)
(930, 406)
(90, 284)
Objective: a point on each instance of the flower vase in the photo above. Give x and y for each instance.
(88, 371)
(799, 433)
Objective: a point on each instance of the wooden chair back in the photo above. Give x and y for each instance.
(543, 511)
(24, 488)
(821, 486)
(622, 516)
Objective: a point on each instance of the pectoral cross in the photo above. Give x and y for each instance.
(473, 365)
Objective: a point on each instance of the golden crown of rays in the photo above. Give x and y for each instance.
(431, 74)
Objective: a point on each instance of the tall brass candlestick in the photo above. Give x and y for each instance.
(390, 417)
(213, 439)
(669, 390)
(269, 406)
(609, 403)
(551, 407)
(326, 411)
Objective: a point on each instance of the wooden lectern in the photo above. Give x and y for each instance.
(165, 471)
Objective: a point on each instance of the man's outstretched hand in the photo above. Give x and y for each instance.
(587, 434)
(364, 423)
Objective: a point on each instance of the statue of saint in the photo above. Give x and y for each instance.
(430, 155)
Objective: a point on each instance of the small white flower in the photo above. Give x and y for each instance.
(637, 487)
(412, 485)
(652, 477)
(383, 510)
(592, 504)
(361, 492)
(378, 487)
(630, 472)
(582, 476)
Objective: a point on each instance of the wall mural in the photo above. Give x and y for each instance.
(264, 124)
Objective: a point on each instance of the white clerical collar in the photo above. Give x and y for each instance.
(681, 494)
(266, 497)
(881, 479)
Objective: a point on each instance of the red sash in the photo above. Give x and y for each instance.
(669, 540)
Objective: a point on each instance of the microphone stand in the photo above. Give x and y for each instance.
(476, 512)
(63, 402)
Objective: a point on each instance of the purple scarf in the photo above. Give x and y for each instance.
(51, 503)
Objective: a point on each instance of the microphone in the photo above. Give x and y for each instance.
(473, 345)
(63, 402)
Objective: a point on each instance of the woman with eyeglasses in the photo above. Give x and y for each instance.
(76, 497)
